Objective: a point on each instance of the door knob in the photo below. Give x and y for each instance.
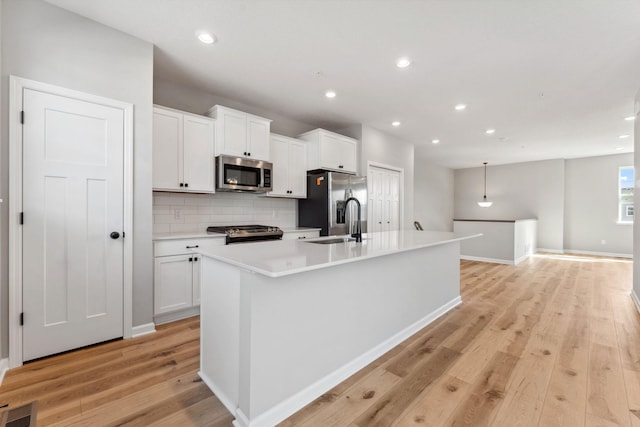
(114, 235)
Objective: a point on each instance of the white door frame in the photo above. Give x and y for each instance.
(16, 88)
(395, 169)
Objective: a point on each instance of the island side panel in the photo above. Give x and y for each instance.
(309, 331)
(220, 330)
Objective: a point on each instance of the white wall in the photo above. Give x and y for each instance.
(51, 45)
(518, 191)
(591, 206)
(196, 101)
(382, 148)
(433, 194)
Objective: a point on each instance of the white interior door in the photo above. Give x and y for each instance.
(73, 199)
(384, 199)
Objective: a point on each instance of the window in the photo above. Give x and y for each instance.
(625, 194)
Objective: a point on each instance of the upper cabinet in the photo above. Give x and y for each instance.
(289, 158)
(329, 150)
(183, 151)
(241, 134)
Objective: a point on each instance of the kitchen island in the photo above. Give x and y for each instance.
(283, 322)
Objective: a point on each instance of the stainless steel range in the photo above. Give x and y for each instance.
(247, 233)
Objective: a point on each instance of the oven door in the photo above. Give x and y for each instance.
(240, 174)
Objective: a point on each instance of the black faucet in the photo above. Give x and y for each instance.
(358, 233)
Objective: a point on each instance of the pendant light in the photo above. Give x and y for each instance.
(484, 203)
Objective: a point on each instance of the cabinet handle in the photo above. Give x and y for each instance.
(182, 184)
(379, 222)
(190, 259)
(249, 154)
(340, 167)
(302, 237)
(388, 222)
(245, 153)
(186, 185)
(195, 259)
(191, 247)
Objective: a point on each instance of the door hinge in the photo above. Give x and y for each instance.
(22, 319)
(21, 218)
(22, 117)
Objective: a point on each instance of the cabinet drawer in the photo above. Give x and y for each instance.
(181, 246)
(292, 235)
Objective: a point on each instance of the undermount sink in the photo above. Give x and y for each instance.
(333, 241)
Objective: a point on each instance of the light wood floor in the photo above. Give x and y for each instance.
(554, 341)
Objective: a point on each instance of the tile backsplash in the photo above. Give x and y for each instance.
(182, 212)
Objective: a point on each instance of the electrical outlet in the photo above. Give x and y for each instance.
(604, 242)
(177, 214)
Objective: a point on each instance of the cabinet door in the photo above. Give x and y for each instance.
(337, 153)
(280, 160)
(233, 133)
(198, 154)
(258, 138)
(167, 150)
(173, 278)
(298, 169)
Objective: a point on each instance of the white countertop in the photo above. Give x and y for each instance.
(285, 257)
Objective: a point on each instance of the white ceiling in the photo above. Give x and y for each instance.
(555, 78)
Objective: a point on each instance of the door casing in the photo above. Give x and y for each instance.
(16, 87)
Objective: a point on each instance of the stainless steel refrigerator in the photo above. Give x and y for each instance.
(324, 206)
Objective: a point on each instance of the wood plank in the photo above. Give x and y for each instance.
(487, 394)
(392, 404)
(355, 400)
(607, 398)
(435, 404)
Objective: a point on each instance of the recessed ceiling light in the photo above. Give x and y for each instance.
(623, 136)
(330, 94)
(490, 131)
(206, 38)
(619, 148)
(435, 141)
(395, 124)
(630, 118)
(403, 62)
(460, 107)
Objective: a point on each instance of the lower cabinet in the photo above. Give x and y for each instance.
(177, 275)
(300, 234)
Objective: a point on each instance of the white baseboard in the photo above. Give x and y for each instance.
(4, 367)
(635, 299)
(608, 254)
(223, 398)
(553, 251)
(176, 315)
(492, 260)
(138, 331)
(299, 400)
(522, 258)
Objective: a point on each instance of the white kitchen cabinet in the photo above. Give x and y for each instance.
(183, 151)
(300, 234)
(329, 150)
(289, 158)
(177, 273)
(241, 134)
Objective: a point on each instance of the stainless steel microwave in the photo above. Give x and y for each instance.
(242, 174)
